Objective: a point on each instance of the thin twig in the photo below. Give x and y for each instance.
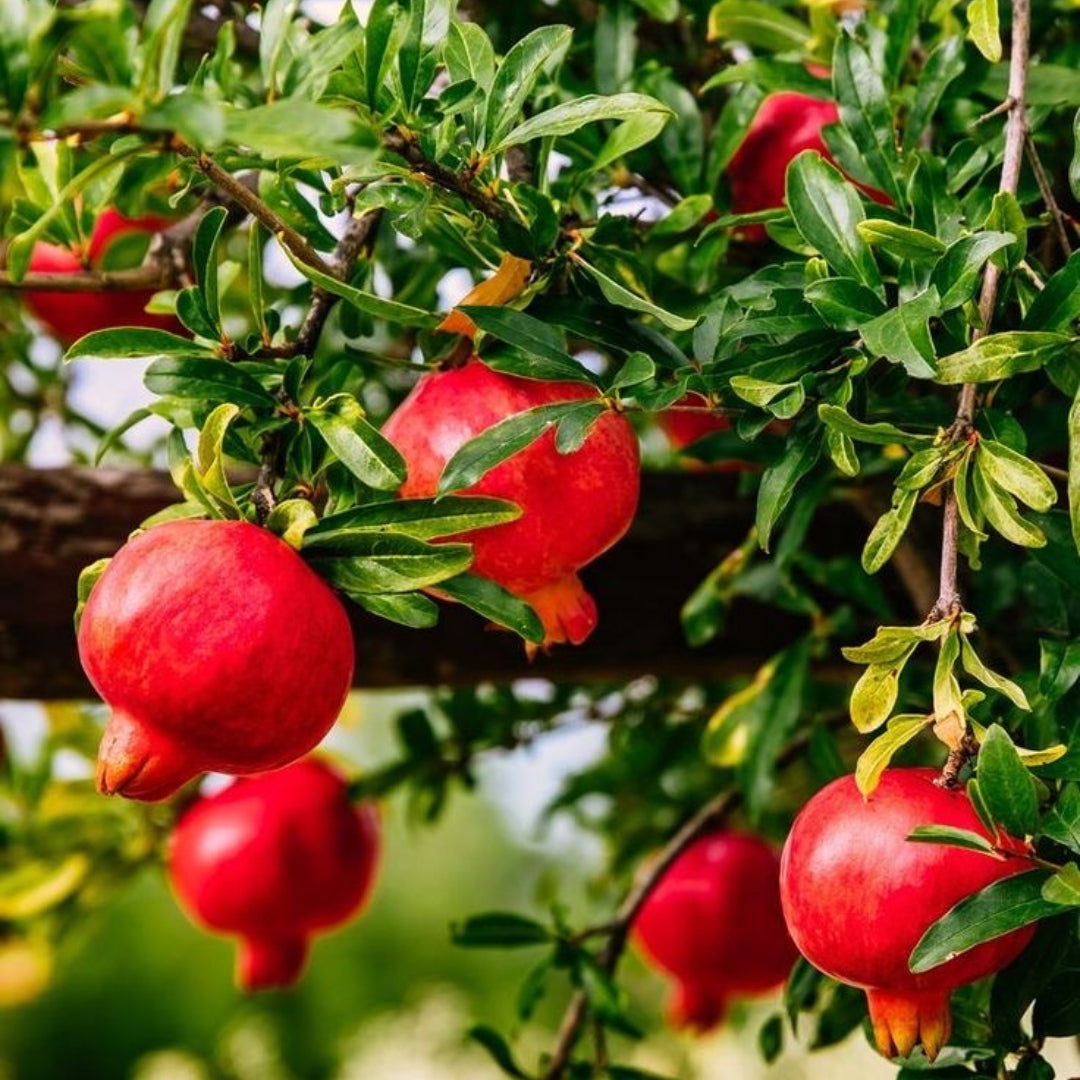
(1047, 193)
(949, 600)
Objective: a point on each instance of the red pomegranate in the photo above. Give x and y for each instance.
(785, 125)
(217, 648)
(71, 315)
(714, 924)
(858, 896)
(273, 859)
(574, 506)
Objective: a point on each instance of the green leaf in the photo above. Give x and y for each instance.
(495, 603)
(532, 336)
(274, 29)
(880, 434)
(570, 116)
(1074, 165)
(1007, 787)
(428, 25)
(127, 342)
(1063, 822)
(875, 693)
(842, 451)
(1017, 474)
(621, 296)
(901, 241)
(952, 837)
(631, 134)
(1057, 305)
(501, 441)
(874, 760)
(1000, 356)
(518, 74)
(192, 311)
(958, 271)
(498, 1048)
(1064, 887)
(470, 56)
(756, 23)
(380, 45)
(827, 212)
(210, 458)
(1000, 510)
(984, 29)
(974, 666)
(1074, 469)
(408, 609)
(392, 311)
(392, 563)
(500, 930)
(779, 481)
(844, 303)
(196, 379)
(359, 446)
(204, 260)
(902, 334)
(424, 519)
(891, 642)
(637, 368)
(888, 531)
(1000, 908)
(88, 578)
(863, 102)
(944, 64)
(291, 130)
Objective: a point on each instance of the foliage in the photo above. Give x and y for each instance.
(411, 138)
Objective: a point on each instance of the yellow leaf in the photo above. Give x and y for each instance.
(506, 284)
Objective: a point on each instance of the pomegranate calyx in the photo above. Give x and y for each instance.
(270, 962)
(697, 1006)
(903, 1020)
(567, 611)
(133, 765)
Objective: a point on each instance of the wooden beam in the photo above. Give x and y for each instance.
(53, 522)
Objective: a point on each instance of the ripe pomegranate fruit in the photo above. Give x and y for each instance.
(574, 506)
(273, 859)
(858, 897)
(786, 124)
(714, 923)
(218, 648)
(71, 315)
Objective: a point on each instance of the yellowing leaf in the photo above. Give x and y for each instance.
(506, 284)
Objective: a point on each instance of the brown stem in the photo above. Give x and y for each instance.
(1016, 132)
(1047, 192)
(240, 193)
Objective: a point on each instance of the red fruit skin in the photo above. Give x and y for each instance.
(785, 125)
(273, 859)
(71, 315)
(714, 924)
(574, 506)
(217, 648)
(858, 896)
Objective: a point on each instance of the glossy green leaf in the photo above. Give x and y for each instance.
(518, 75)
(410, 609)
(944, 64)
(620, 295)
(392, 563)
(139, 342)
(500, 930)
(424, 519)
(888, 531)
(1007, 787)
(845, 304)
(827, 212)
(779, 481)
(533, 336)
(1000, 908)
(382, 38)
(1017, 474)
(950, 836)
(292, 519)
(495, 603)
(570, 116)
(631, 134)
(1062, 823)
(956, 274)
(1000, 356)
(1074, 469)
(195, 378)
(902, 334)
(1057, 305)
(756, 23)
(1064, 887)
(204, 258)
(880, 434)
(359, 446)
(901, 241)
(874, 760)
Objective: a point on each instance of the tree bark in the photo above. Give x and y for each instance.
(53, 522)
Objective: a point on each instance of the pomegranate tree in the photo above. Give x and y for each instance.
(858, 896)
(217, 648)
(714, 924)
(574, 506)
(273, 859)
(71, 315)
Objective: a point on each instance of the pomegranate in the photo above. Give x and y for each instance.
(71, 315)
(858, 897)
(786, 124)
(574, 506)
(218, 648)
(273, 859)
(714, 923)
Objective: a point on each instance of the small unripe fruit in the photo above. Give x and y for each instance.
(574, 506)
(71, 315)
(274, 859)
(218, 649)
(858, 896)
(714, 924)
